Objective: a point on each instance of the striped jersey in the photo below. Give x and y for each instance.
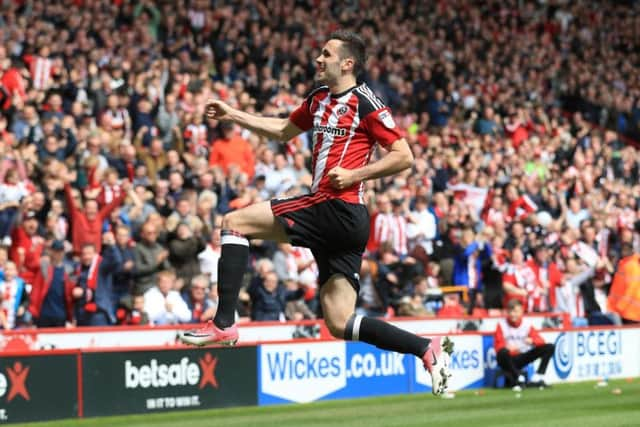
(346, 127)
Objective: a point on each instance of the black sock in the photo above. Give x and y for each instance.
(385, 336)
(232, 265)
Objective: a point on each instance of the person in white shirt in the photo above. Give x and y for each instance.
(281, 178)
(210, 255)
(164, 305)
(422, 227)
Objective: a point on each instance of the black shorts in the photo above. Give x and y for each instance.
(334, 230)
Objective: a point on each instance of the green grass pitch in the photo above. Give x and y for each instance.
(565, 405)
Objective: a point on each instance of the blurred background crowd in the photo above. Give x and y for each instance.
(522, 117)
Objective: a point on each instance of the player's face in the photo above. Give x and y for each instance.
(328, 64)
(515, 314)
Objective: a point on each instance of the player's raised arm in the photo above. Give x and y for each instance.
(271, 127)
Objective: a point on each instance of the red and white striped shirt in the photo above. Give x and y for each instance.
(41, 69)
(391, 228)
(346, 127)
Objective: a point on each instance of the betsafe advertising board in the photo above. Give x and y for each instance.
(151, 381)
(337, 369)
(35, 388)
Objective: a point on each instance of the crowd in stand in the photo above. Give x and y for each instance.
(113, 184)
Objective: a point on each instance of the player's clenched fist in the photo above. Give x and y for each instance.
(216, 109)
(341, 178)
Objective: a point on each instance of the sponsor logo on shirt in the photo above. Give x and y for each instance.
(330, 130)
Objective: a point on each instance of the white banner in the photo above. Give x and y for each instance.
(593, 354)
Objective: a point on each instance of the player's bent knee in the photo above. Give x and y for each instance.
(336, 327)
(233, 221)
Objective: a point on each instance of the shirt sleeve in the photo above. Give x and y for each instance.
(381, 127)
(302, 117)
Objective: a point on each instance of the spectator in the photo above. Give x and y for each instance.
(422, 228)
(487, 124)
(86, 224)
(576, 214)
(209, 257)
(93, 293)
(168, 121)
(183, 214)
(13, 187)
(517, 344)
(51, 302)
(131, 311)
(154, 157)
(164, 305)
(14, 298)
(518, 280)
(26, 246)
(548, 278)
(467, 267)
(232, 149)
(296, 309)
(438, 109)
(201, 307)
(123, 280)
(624, 296)
(184, 247)
(373, 298)
(281, 178)
(269, 298)
(150, 258)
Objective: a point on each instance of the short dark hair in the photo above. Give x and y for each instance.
(352, 46)
(513, 303)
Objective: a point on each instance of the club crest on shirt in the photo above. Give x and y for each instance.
(342, 110)
(386, 119)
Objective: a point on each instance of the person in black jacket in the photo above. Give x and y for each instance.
(184, 247)
(123, 279)
(269, 298)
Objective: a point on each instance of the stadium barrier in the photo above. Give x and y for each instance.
(251, 332)
(55, 384)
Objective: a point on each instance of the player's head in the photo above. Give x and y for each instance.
(343, 54)
(515, 310)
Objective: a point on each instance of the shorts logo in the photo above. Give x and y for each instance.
(386, 119)
(290, 222)
(563, 357)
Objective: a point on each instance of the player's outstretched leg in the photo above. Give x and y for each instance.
(338, 299)
(231, 268)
